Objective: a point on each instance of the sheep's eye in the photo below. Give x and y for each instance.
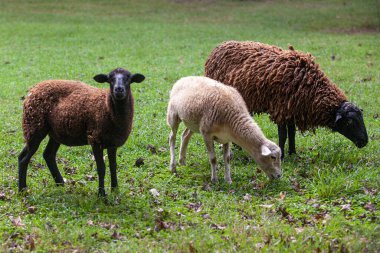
(273, 157)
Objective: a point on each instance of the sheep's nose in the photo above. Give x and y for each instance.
(119, 89)
(276, 176)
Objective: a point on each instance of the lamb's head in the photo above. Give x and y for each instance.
(349, 122)
(269, 159)
(119, 80)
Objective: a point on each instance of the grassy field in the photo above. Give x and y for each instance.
(328, 199)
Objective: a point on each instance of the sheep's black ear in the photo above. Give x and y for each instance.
(101, 78)
(137, 78)
(338, 116)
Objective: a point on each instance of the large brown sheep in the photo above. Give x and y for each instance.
(288, 85)
(75, 114)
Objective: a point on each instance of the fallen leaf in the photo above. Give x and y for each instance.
(13, 152)
(116, 235)
(90, 223)
(346, 207)
(151, 148)
(369, 191)
(219, 227)
(267, 239)
(108, 225)
(70, 170)
(259, 245)
(247, 197)
(267, 206)
(196, 207)
(2, 196)
(206, 216)
(370, 207)
(162, 149)
(32, 209)
(282, 195)
(139, 162)
(17, 222)
(30, 244)
(299, 230)
(154, 192)
(296, 185)
(192, 248)
(259, 186)
(89, 178)
(206, 187)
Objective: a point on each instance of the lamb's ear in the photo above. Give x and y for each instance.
(137, 78)
(265, 151)
(101, 78)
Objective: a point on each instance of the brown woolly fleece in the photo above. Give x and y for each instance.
(74, 113)
(287, 84)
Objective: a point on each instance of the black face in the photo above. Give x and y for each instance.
(349, 122)
(119, 80)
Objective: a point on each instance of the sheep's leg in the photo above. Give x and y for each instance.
(292, 138)
(211, 153)
(227, 159)
(98, 154)
(50, 158)
(24, 159)
(184, 143)
(112, 160)
(174, 123)
(282, 138)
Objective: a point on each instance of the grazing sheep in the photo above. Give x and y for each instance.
(288, 85)
(219, 113)
(75, 114)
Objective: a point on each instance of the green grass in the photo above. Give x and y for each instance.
(327, 200)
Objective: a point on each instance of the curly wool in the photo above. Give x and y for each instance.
(75, 113)
(287, 84)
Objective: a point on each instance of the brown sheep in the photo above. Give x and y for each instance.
(288, 85)
(75, 114)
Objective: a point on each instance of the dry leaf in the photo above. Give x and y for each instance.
(282, 195)
(139, 162)
(346, 207)
(370, 207)
(219, 227)
(151, 148)
(154, 192)
(191, 247)
(162, 149)
(206, 216)
(30, 243)
(2, 196)
(247, 197)
(17, 222)
(267, 206)
(259, 245)
(90, 178)
(32, 209)
(196, 207)
(116, 235)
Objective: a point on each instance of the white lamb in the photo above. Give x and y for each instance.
(218, 112)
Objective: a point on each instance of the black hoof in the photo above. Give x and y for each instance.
(102, 193)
